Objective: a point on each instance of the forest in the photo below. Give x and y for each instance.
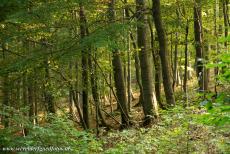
(114, 76)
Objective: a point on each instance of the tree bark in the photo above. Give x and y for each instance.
(145, 63)
(217, 46)
(6, 98)
(78, 108)
(70, 90)
(6, 91)
(163, 53)
(49, 99)
(118, 75)
(129, 90)
(157, 66)
(95, 93)
(136, 58)
(129, 78)
(198, 44)
(186, 63)
(85, 75)
(226, 20)
(175, 63)
(137, 70)
(31, 98)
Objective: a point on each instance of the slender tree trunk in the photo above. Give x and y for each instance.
(6, 90)
(6, 98)
(156, 61)
(175, 62)
(95, 93)
(198, 44)
(110, 90)
(24, 90)
(118, 75)
(206, 58)
(129, 78)
(163, 53)
(78, 108)
(36, 94)
(145, 63)
(18, 94)
(171, 51)
(137, 70)
(49, 99)
(216, 15)
(70, 90)
(226, 20)
(31, 98)
(84, 69)
(129, 91)
(137, 61)
(186, 63)
(93, 79)
(125, 71)
(158, 77)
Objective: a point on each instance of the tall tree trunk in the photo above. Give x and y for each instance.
(24, 90)
(76, 103)
(206, 70)
(70, 90)
(6, 91)
(158, 77)
(49, 99)
(145, 63)
(171, 51)
(137, 70)
(6, 96)
(217, 46)
(226, 20)
(198, 44)
(84, 69)
(125, 71)
(186, 63)
(31, 98)
(110, 90)
(136, 58)
(129, 77)
(129, 91)
(118, 75)
(94, 86)
(157, 66)
(36, 94)
(175, 63)
(163, 53)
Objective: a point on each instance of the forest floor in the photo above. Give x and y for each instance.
(178, 130)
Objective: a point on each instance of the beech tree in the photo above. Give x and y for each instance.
(145, 63)
(156, 12)
(118, 74)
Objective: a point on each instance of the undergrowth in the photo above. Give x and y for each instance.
(177, 131)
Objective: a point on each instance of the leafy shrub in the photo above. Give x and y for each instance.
(58, 133)
(176, 132)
